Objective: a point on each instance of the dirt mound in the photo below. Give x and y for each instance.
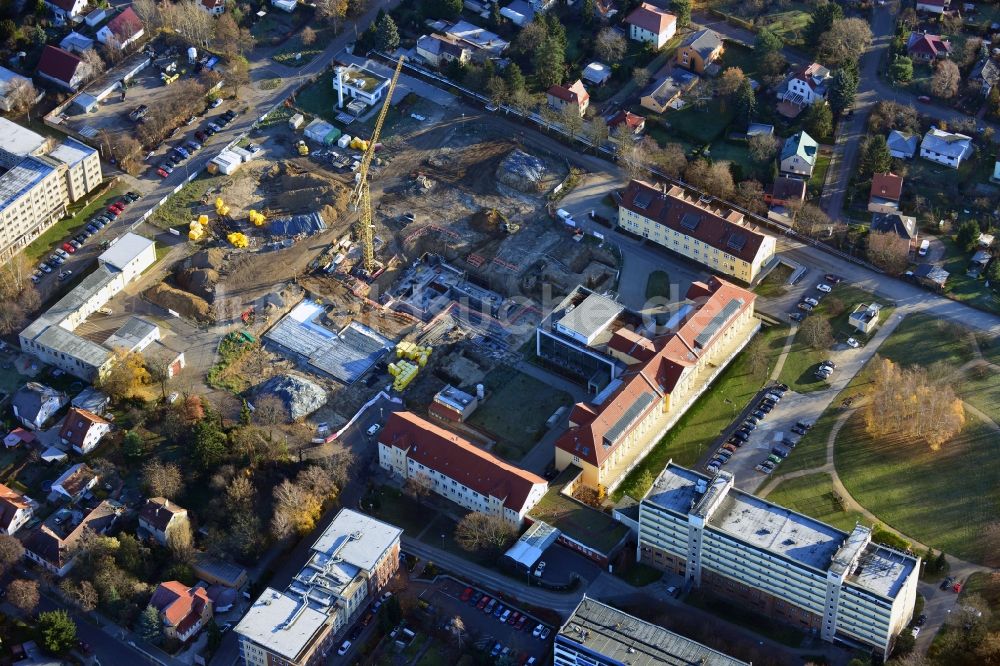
(199, 281)
(187, 305)
(488, 221)
(299, 396)
(213, 258)
(292, 190)
(523, 172)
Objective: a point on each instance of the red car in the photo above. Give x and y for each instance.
(512, 620)
(69, 248)
(482, 602)
(120, 204)
(466, 594)
(161, 173)
(521, 622)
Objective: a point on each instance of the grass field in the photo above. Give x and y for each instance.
(814, 496)
(961, 287)
(708, 417)
(294, 47)
(818, 178)
(803, 359)
(393, 506)
(658, 285)
(319, 99)
(507, 389)
(180, 208)
(57, 234)
(702, 124)
(776, 282)
(988, 587)
(586, 525)
(924, 340)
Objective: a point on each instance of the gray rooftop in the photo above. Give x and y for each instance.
(124, 250)
(71, 152)
(282, 623)
(70, 303)
(592, 315)
(882, 570)
(628, 640)
(675, 489)
(357, 539)
(74, 346)
(131, 334)
(18, 140)
(21, 177)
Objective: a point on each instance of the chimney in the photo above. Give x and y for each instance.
(339, 73)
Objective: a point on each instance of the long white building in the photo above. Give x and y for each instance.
(777, 562)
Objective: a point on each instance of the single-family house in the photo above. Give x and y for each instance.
(933, 6)
(699, 50)
(978, 263)
(92, 400)
(924, 47)
(886, 190)
(183, 610)
(285, 5)
(931, 276)
(649, 23)
(987, 74)
(636, 124)
(597, 73)
(54, 544)
(18, 436)
(803, 87)
(519, 12)
(574, 95)
(67, 10)
(213, 7)
(62, 68)
(438, 49)
(8, 82)
(15, 510)
(359, 82)
(864, 319)
(904, 226)
(76, 43)
(947, 148)
(666, 92)
(484, 44)
(74, 483)
(785, 190)
(159, 516)
(122, 30)
(83, 430)
(798, 155)
(902, 145)
(34, 404)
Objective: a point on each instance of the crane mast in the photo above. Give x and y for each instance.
(362, 193)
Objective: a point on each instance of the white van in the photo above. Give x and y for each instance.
(924, 246)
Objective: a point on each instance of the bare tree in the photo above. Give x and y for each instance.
(11, 551)
(946, 80)
(712, 177)
(671, 159)
(180, 540)
(127, 151)
(308, 36)
(888, 251)
(23, 594)
(21, 95)
(318, 481)
(162, 479)
(458, 629)
(570, 119)
(270, 411)
(762, 147)
(641, 77)
(846, 40)
(730, 81)
(239, 494)
(84, 594)
(237, 74)
(193, 22)
(757, 358)
(149, 12)
(227, 35)
(332, 11)
(610, 45)
(812, 221)
(94, 63)
(597, 131)
(418, 487)
(11, 316)
(478, 532)
(295, 510)
(817, 332)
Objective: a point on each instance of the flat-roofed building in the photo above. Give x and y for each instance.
(452, 404)
(83, 167)
(597, 634)
(643, 374)
(778, 562)
(699, 229)
(349, 563)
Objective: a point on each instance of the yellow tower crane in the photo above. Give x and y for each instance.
(362, 197)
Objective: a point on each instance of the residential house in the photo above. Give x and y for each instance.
(649, 23)
(15, 510)
(785, 190)
(864, 319)
(92, 400)
(699, 229)
(76, 43)
(931, 276)
(159, 516)
(924, 47)
(699, 50)
(902, 145)
(803, 87)
(83, 430)
(636, 124)
(933, 6)
(7, 79)
(886, 190)
(62, 68)
(903, 226)
(440, 49)
(978, 263)
(451, 466)
(519, 12)
(122, 30)
(183, 610)
(798, 155)
(53, 544)
(285, 5)
(359, 82)
(34, 404)
(213, 7)
(574, 95)
(67, 10)
(947, 148)
(987, 74)
(597, 73)
(18, 436)
(485, 45)
(666, 92)
(74, 483)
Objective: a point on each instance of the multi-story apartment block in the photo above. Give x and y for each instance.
(600, 635)
(83, 167)
(696, 228)
(644, 375)
(778, 562)
(413, 448)
(350, 562)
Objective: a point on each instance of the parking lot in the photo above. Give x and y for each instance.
(486, 630)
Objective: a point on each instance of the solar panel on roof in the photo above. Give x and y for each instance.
(690, 221)
(628, 417)
(736, 241)
(642, 200)
(707, 333)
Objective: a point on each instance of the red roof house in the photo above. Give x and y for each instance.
(635, 123)
(83, 430)
(649, 23)
(184, 610)
(926, 47)
(62, 68)
(573, 94)
(887, 188)
(122, 30)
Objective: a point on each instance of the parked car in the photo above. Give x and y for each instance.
(65, 275)
(91, 229)
(796, 316)
(713, 467)
(498, 611)
(825, 288)
(830, 364)
(512, 620)
(253, 148)
(797, 430)
(45, 268)
(496, 649)
(68, 248)
(161, 173)
(466, 594)
(545, 633)
(773, 458)
(481, 604)
(193, 146)
(344, 647)
(811, 301)
(764, 469)
(760, 414)
(752, 419)
(538, 630)
(36, 277)
(521, 622)
(213, 128)
(166, 166)
(853, 344)
(62, 253)
(505, 616)
(833, 279)
(201, 136)
(805, 307)
(132, 197)
(76, 244)
(805, 425)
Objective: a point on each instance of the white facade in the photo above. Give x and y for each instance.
(15, 510)
(69, 10)
(83, 168)
(33, 197)
(945, 148)
(359, 83)
(657, 39)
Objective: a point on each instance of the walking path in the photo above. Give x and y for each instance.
(780, 364)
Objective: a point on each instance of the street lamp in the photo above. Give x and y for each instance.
(442, 540)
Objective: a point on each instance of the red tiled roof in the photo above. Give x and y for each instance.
(574, 93)
(443, 451)
(58, 64)
(10, 503)
(651, 18)
(675, 351)
(629, 342)
(886, 186)
(158, 511)
(77, 424)
(77, 479)
(717, 227)
(213, 4)
(633, 121)
(931, 45)
(808, 73)
(180, 606)
(126, 25)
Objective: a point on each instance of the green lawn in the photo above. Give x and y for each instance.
(737, 55)
(924, 340)
(738, 155)
(818, 178)
(186, 205)
(791, 26)
(392, 506)
(803, 359)
(579, 521)
(814, 496)
(702, 124)
(708, 417)
(961, 287)
(294, 47)
(506, 391)
(988, 587)
(658, 285)
(943, 498)
(319, 99)
(640, 575)
(776, 282)
(57, 234)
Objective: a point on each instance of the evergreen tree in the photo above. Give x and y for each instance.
(386, 35)
(746, 101)
(966, 238)
(514, 78)
(941, 563)
(148, 625)
(823, 16)
(209, 443)
(766, 42)
(901, 69)
(496, 19)
(682, 9)
(843, 89)
(133, 446)
(819, 121)
(550, 58)
(589, 12)
(875, 157)
(57, 631)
